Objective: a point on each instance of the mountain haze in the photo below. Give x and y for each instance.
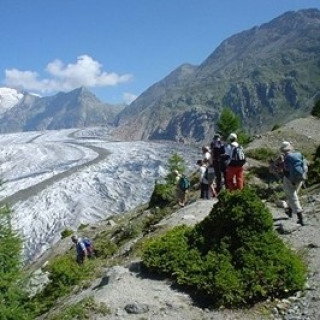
(267, 75)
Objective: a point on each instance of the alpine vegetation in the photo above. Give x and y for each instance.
(233, 257)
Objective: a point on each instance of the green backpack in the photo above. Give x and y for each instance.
(184, 183)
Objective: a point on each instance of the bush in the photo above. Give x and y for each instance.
(314, 169)
(233, 256)
(276, 127)
(66, 233)
(316, 109)
(163, 194)
(84, 309)
(64, 274)
(262, 154)
(104, 248)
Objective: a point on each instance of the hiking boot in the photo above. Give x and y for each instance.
(288, 212)
(300, 219)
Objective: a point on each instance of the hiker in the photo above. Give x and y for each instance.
(293, 177)
(183, 186)
(217, 152)
(84, 248)
(235, 161)
(211, 176)
(206, 154)
(203, 179)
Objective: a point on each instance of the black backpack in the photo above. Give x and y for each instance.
(238, 158)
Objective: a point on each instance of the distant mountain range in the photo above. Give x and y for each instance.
(267, 75)
(76, 109)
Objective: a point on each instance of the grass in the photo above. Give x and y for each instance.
(84, 309)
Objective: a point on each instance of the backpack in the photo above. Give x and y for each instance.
(238, 158)
(297, 166)
(217, 149)
(89, 246)
(205, 176)
(184, 183)
(211, 174)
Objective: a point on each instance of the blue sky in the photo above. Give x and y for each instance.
(118, 48)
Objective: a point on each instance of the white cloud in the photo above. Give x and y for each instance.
(85, 72)
(129, 97)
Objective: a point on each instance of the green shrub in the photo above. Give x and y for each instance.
(276, 127)
(104, 248)
(154, 217)
(316, 109)
(233, 256)
(82, 226)
(314, 168)
(168, 253)
(66, 233)
(163, 194)
(262, 154)
(64, 274)
(82, 310)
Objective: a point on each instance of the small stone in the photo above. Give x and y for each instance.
(111, 223)
(136, 308)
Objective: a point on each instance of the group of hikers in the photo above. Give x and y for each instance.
(222, 166)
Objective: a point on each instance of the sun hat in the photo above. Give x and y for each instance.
(285, 146)
(233, 136)
(216, 135)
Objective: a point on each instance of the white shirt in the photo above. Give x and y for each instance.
(202, 171)
(229, 150)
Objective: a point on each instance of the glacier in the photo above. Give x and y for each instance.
(57, 180)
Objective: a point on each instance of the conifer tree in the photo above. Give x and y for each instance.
(12, 297)
(175, 162)
(228, 122)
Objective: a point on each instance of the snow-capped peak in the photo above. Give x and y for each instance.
(9, 98)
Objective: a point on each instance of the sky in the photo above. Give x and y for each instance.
(118, 48)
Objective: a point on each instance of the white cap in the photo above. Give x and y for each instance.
(233, 136)
(285, 146)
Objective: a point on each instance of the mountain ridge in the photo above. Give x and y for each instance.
(75, 109)
(266, 72)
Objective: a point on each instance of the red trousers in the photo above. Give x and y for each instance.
(235, 178)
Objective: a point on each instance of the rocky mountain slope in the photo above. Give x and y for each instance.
(76, 109)
(130, 293)
(268, 74)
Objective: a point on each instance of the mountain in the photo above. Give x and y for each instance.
(76, 109)
(8, 99)
(267, 75)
